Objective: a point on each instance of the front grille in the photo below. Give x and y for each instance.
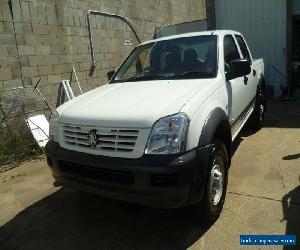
(119, 140)
(96, 173)
(164, 180)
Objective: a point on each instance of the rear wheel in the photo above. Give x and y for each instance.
(214, 196)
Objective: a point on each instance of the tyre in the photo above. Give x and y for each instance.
(211, 206)
(256, 119)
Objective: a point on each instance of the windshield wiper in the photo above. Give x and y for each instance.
(190, 74)
(144, 77)
(162, 77)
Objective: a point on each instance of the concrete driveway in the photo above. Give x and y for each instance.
(263, 198)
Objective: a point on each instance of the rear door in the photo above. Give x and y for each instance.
(252, 77)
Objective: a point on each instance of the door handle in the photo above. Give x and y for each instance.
(246, 80)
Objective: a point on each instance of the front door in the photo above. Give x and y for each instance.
(238, 88)
(252, 77)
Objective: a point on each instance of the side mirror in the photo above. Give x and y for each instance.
(238, 68)
(110, 74)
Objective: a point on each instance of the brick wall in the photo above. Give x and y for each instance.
(46, 38)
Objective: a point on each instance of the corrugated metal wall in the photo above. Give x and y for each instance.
(296, 7)
(263, 23)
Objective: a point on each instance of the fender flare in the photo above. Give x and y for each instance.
(215, 118)
(262, 86)
(262, 83)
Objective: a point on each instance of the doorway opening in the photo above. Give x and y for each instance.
(296, 54)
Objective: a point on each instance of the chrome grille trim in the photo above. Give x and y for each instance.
(109, 139)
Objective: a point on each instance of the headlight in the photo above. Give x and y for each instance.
(168, 135)
(53, 127)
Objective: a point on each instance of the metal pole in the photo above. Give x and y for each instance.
(79, 86)
(106, 14)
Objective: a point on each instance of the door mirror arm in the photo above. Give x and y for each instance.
(228, 76)
(227, 72)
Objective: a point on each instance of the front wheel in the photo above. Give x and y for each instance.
(214, 196)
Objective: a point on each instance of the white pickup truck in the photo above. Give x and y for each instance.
(160, 132)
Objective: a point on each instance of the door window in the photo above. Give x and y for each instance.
(230, 51)
(243, 47)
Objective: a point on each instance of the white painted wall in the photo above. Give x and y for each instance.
(263, 23)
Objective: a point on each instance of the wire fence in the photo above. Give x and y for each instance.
(16, 141)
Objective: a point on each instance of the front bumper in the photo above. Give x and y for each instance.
(166, 181)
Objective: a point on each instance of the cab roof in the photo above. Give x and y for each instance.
(191, 34)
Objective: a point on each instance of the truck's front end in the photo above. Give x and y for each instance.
(127, 139)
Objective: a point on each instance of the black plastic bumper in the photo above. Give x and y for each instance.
(166, 181)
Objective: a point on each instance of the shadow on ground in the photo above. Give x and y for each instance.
(291, 212)
(291, 157)
(70, 219)
(282, 114)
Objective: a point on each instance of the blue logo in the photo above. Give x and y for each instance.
(268, 240)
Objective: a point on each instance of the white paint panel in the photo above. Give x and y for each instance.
(296, 7)
(39, 127)
(263, 23)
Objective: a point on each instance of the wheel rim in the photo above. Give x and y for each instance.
(261, 112)
(216, 181)
(261, 107)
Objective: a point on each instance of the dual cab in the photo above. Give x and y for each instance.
(160, 132)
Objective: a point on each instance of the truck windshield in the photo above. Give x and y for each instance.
(181, 58)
